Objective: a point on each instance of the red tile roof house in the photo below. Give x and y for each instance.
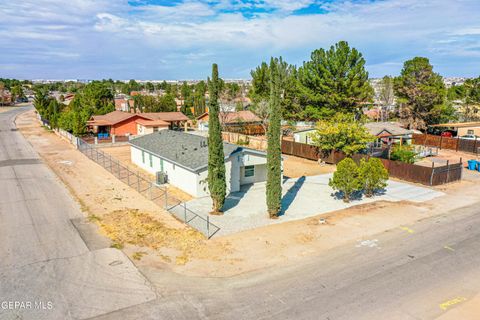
(121, 123)
(231, 120)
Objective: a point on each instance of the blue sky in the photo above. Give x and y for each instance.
(179, 39)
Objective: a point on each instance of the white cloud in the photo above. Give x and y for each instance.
(112, 34)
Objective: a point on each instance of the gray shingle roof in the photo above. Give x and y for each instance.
(184, 149)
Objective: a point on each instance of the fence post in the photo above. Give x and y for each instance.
(138, 181)
(475, 150)
(461, 168)
(448, 171)
(441, 140)
(431, 176)
(208, 227)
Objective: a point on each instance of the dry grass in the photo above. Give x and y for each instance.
(142, 230)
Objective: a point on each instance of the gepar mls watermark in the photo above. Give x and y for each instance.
(26, 305)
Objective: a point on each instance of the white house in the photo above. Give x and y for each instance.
(183, 157)
(304, 136)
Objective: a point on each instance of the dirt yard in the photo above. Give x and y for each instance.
(122, 153)
(445, 155)
(151, 237)
(295, 167)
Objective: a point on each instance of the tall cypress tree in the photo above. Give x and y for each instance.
(274, 152)
(216, 157)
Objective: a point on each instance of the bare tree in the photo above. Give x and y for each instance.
(386, 96)
(261, 109)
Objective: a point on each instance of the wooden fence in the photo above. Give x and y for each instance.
(449, 143)
(430, 176)
(247, 129)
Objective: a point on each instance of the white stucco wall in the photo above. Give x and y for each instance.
(195, 183)
(303, 137)
(177, 176)
(141, 129)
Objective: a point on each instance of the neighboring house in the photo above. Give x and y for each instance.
(385, 131)
(390, 132)
(462, 128)
(123, 104)
(304, 136)
(231, 120)
(68, 98)
(183, 157)
(125, 123)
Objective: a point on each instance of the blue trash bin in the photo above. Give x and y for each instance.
(472, 164)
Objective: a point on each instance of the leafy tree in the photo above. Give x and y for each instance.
(346, 179)
(54, 111)
(373, 175)
(17, 92)
(274, 153)
(41, 101)
(456, 92)
(167, 103)
(149, 86)
(341, 133)
(260, 90)
(334, 80)
(403, 153)
(199, 101)
(470, 110)
(216, 157)
(421, 94)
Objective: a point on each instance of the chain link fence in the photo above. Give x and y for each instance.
(149, 189)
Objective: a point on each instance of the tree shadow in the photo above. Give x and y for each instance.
(291, 194)
(357, 195)
(232, 200)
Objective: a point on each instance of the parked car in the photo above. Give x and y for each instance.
(469, 137)
(447, 134)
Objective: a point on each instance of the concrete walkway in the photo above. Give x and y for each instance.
(302, 198)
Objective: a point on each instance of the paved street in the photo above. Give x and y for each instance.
(43, 258)
(405, 273)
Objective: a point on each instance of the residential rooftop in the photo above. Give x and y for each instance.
(184, 149)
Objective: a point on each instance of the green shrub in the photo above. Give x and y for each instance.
(373, 175)
(346, 179)
(403, 154)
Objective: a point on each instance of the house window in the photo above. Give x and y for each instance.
(470, 131)
(249, 171)
(143, 156)
(155, 129)
(151, 160)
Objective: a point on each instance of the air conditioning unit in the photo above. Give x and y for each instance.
(162, 177)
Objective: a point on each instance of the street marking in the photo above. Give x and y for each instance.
(368, 243)
(445, 305)
(407, 229)
(449, 248)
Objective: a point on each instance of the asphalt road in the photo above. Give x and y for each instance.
(46, 269)
(406, 273)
